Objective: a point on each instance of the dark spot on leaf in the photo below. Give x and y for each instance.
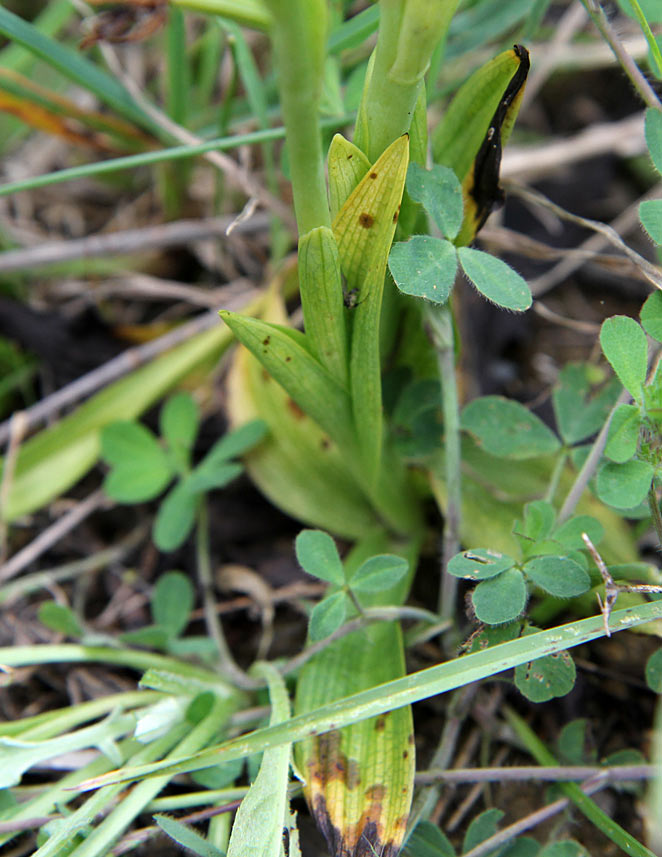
(265, 375)
(375, 792)
(380, 723)
(411, 738)
(405, 754)
(266, 340)
(366, 220)
(288, 358)
(296, 410)
(373, 175)
(325, 443)
(350, 156)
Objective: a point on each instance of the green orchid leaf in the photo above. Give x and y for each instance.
(311, 386)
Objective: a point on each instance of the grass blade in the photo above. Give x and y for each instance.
(385, 697)
(76, 68)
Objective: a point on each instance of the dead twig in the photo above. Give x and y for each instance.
(532, 820)
(121, 365)
(51, 535)
(613, 589)
(127, 241)
(533, 773)
(607, 234)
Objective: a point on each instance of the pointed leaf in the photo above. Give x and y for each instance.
(624, 345)
(258, 826)
(495, 280)
(347, 166)
(320, 285)
(424, 267)
(427, 840)
(60, 618)
(309, 384)
(212, 477)
(364, 229)
(187, 837)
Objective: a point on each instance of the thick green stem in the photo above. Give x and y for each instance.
(299, 40)
(409, 31)
(250, 13)
(440, 325)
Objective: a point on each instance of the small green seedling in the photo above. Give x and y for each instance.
(142, 466)
(318, 556)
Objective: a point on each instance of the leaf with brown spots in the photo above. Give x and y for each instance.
(347, 166)
(298, 467)
(359, 779)
(364, 229)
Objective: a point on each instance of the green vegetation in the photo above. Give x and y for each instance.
(353, 423)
